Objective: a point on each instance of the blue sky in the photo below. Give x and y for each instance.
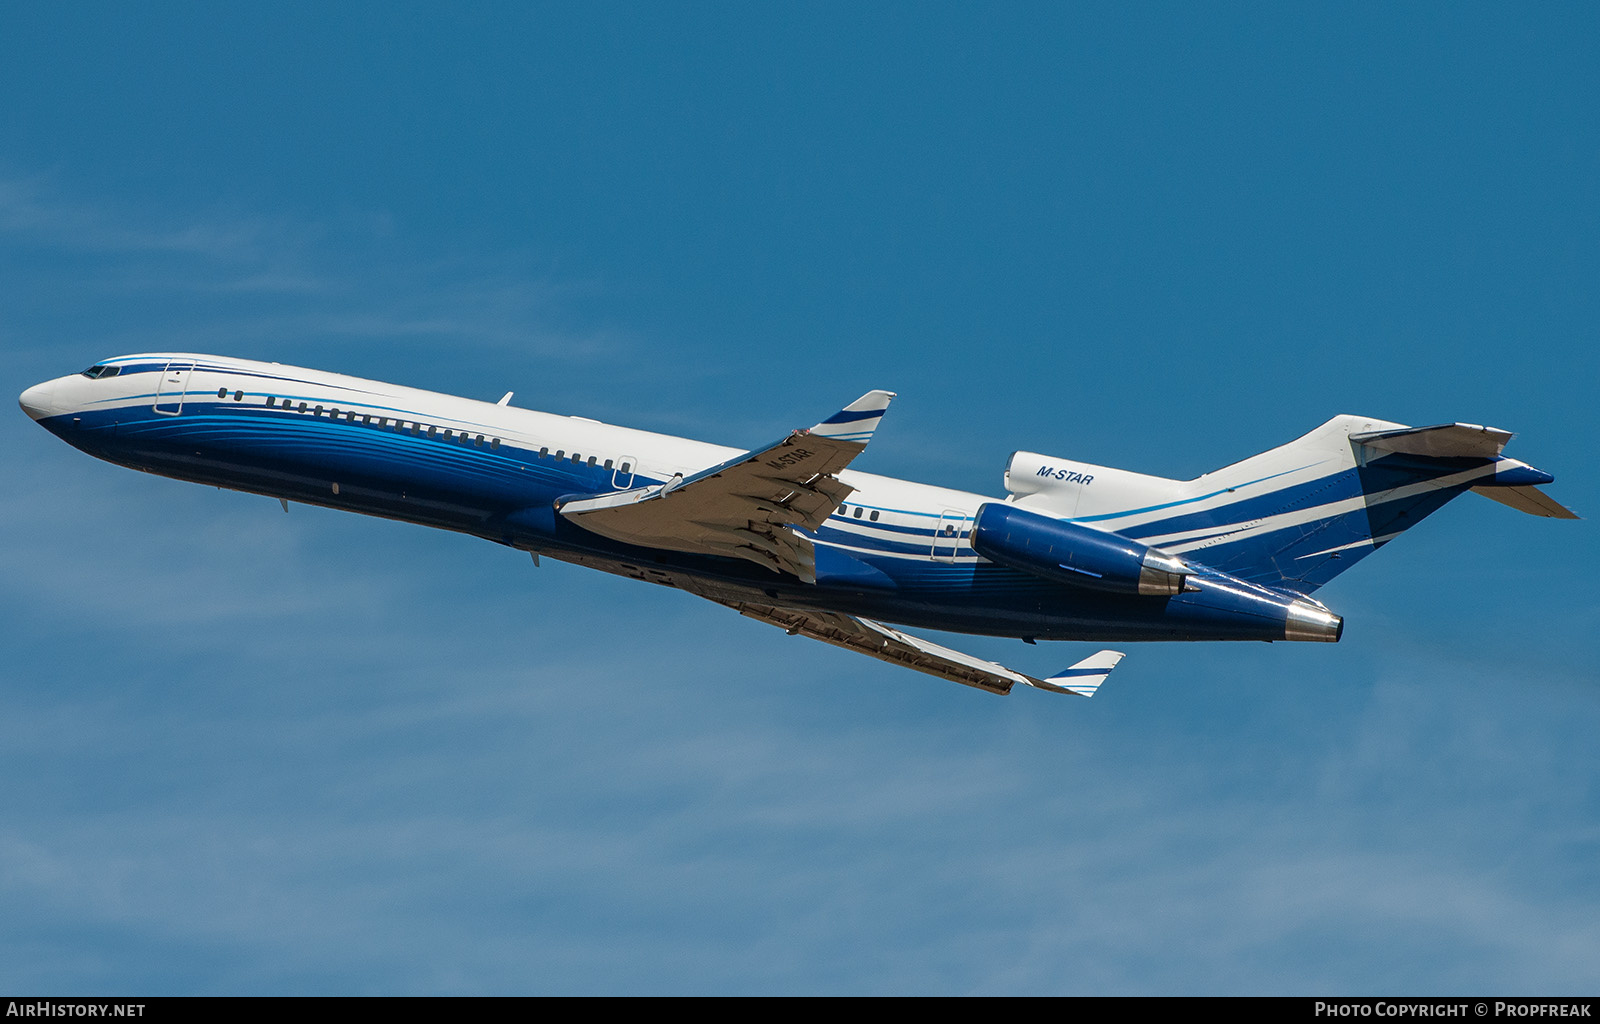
(250, 752)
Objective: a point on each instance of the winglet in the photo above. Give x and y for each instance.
(1084, 678)
(856, 421)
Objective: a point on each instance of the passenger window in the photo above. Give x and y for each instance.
(302, 407)
(858, 511)
(626, 468)
(608, 463)
(432, 430)
(447, 433)
(560, 455)
(576, 457)
(494, 442)
(478, 440)
(874, 515)
(543, 452)
(238, 396)
(222, 392)
(271, 401)
(591, 460)
(317, 411)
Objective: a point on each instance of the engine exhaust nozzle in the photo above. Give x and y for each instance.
(1308, 621)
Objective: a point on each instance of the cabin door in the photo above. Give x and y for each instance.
(174, 381)
(947, 536)
(622, 479)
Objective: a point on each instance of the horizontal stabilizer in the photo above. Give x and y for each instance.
(1528, 499)
(1445, 441)
(1084, 678)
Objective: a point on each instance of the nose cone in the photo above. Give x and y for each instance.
(39, 400)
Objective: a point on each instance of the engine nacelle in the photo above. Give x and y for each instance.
(1069, 553)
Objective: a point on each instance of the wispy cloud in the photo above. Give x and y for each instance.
(228, 277)
(754, 817)
(33, 211)
(244, 751)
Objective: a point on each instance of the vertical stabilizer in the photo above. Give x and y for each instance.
(1300, 514)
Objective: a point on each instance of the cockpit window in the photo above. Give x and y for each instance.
(99, 370)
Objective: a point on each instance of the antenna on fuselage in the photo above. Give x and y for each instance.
(507, 399)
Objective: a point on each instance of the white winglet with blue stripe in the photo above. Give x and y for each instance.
(856, 421)
(1084, 678)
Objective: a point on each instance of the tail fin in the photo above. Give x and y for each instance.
(1299, 515)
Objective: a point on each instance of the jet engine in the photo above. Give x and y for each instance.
(1069, 553)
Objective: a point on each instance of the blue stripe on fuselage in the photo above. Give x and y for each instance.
(475, 490)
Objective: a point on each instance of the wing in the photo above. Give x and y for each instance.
(748, 506)
(887, 644)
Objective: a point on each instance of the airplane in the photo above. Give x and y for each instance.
(787, 534)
